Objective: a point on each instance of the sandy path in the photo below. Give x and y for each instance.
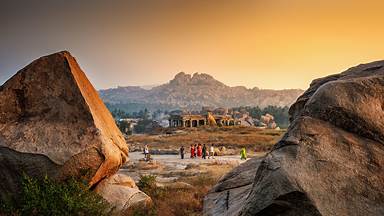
(175, 159)
(171, 166)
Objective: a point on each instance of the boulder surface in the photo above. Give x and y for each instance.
(121, 191)
(331, 160)
(52, 122)
(227, 197)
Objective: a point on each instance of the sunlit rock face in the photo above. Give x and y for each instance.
(330, 161)
(53, 122)
(121, 191)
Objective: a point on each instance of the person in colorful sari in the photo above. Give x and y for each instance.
(243, 154)
(199, 151)
(192, 151)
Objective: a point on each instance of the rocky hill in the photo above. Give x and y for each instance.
(197, 90)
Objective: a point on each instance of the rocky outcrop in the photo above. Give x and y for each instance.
(268, 121)
(195, 91)
(330, 161)
(211, 119)
(53, 122)
(121, 191)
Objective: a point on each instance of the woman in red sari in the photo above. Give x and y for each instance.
(199, 150)
(192, 151)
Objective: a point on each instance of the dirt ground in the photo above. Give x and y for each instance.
(178, 185)
(231, 138)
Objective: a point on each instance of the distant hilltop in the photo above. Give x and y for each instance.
(186, 91)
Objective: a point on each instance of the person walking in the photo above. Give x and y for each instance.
(192, 151)
(146, 152)
(204, 151)
(211, 151)
(195, 155)
(243, 154)
(199, 150)
(182, 152)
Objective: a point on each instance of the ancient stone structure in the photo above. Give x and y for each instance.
(330, 161)
(188, 120)
(52, 122)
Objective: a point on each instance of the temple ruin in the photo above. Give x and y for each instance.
(218, 117)
(190, 120)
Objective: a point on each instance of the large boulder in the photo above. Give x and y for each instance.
(330, 161)
(211, 119)
(229, 194)
(52, 122)
(267, 118)
(121, 191)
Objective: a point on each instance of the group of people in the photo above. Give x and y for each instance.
(199, 151)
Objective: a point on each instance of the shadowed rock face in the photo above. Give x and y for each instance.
(330, 161)
(228, 196)
(50, 112)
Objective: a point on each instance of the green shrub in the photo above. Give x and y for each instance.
(47, 197)
(147, 181)
(147, 184)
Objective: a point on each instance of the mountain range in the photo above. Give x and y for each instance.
(186, 91)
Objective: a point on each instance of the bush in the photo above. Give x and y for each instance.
(47, 197)
(168, 201)
(147, 184)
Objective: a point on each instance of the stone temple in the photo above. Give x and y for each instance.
(190, 120)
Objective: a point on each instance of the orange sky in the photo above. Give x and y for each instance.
(265, 43)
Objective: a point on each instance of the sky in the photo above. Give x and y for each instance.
(272, 44)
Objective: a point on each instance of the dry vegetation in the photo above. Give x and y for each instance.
(169, 200)
(254, 139)
(185, 194)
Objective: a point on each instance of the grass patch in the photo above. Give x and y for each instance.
(47, 197)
